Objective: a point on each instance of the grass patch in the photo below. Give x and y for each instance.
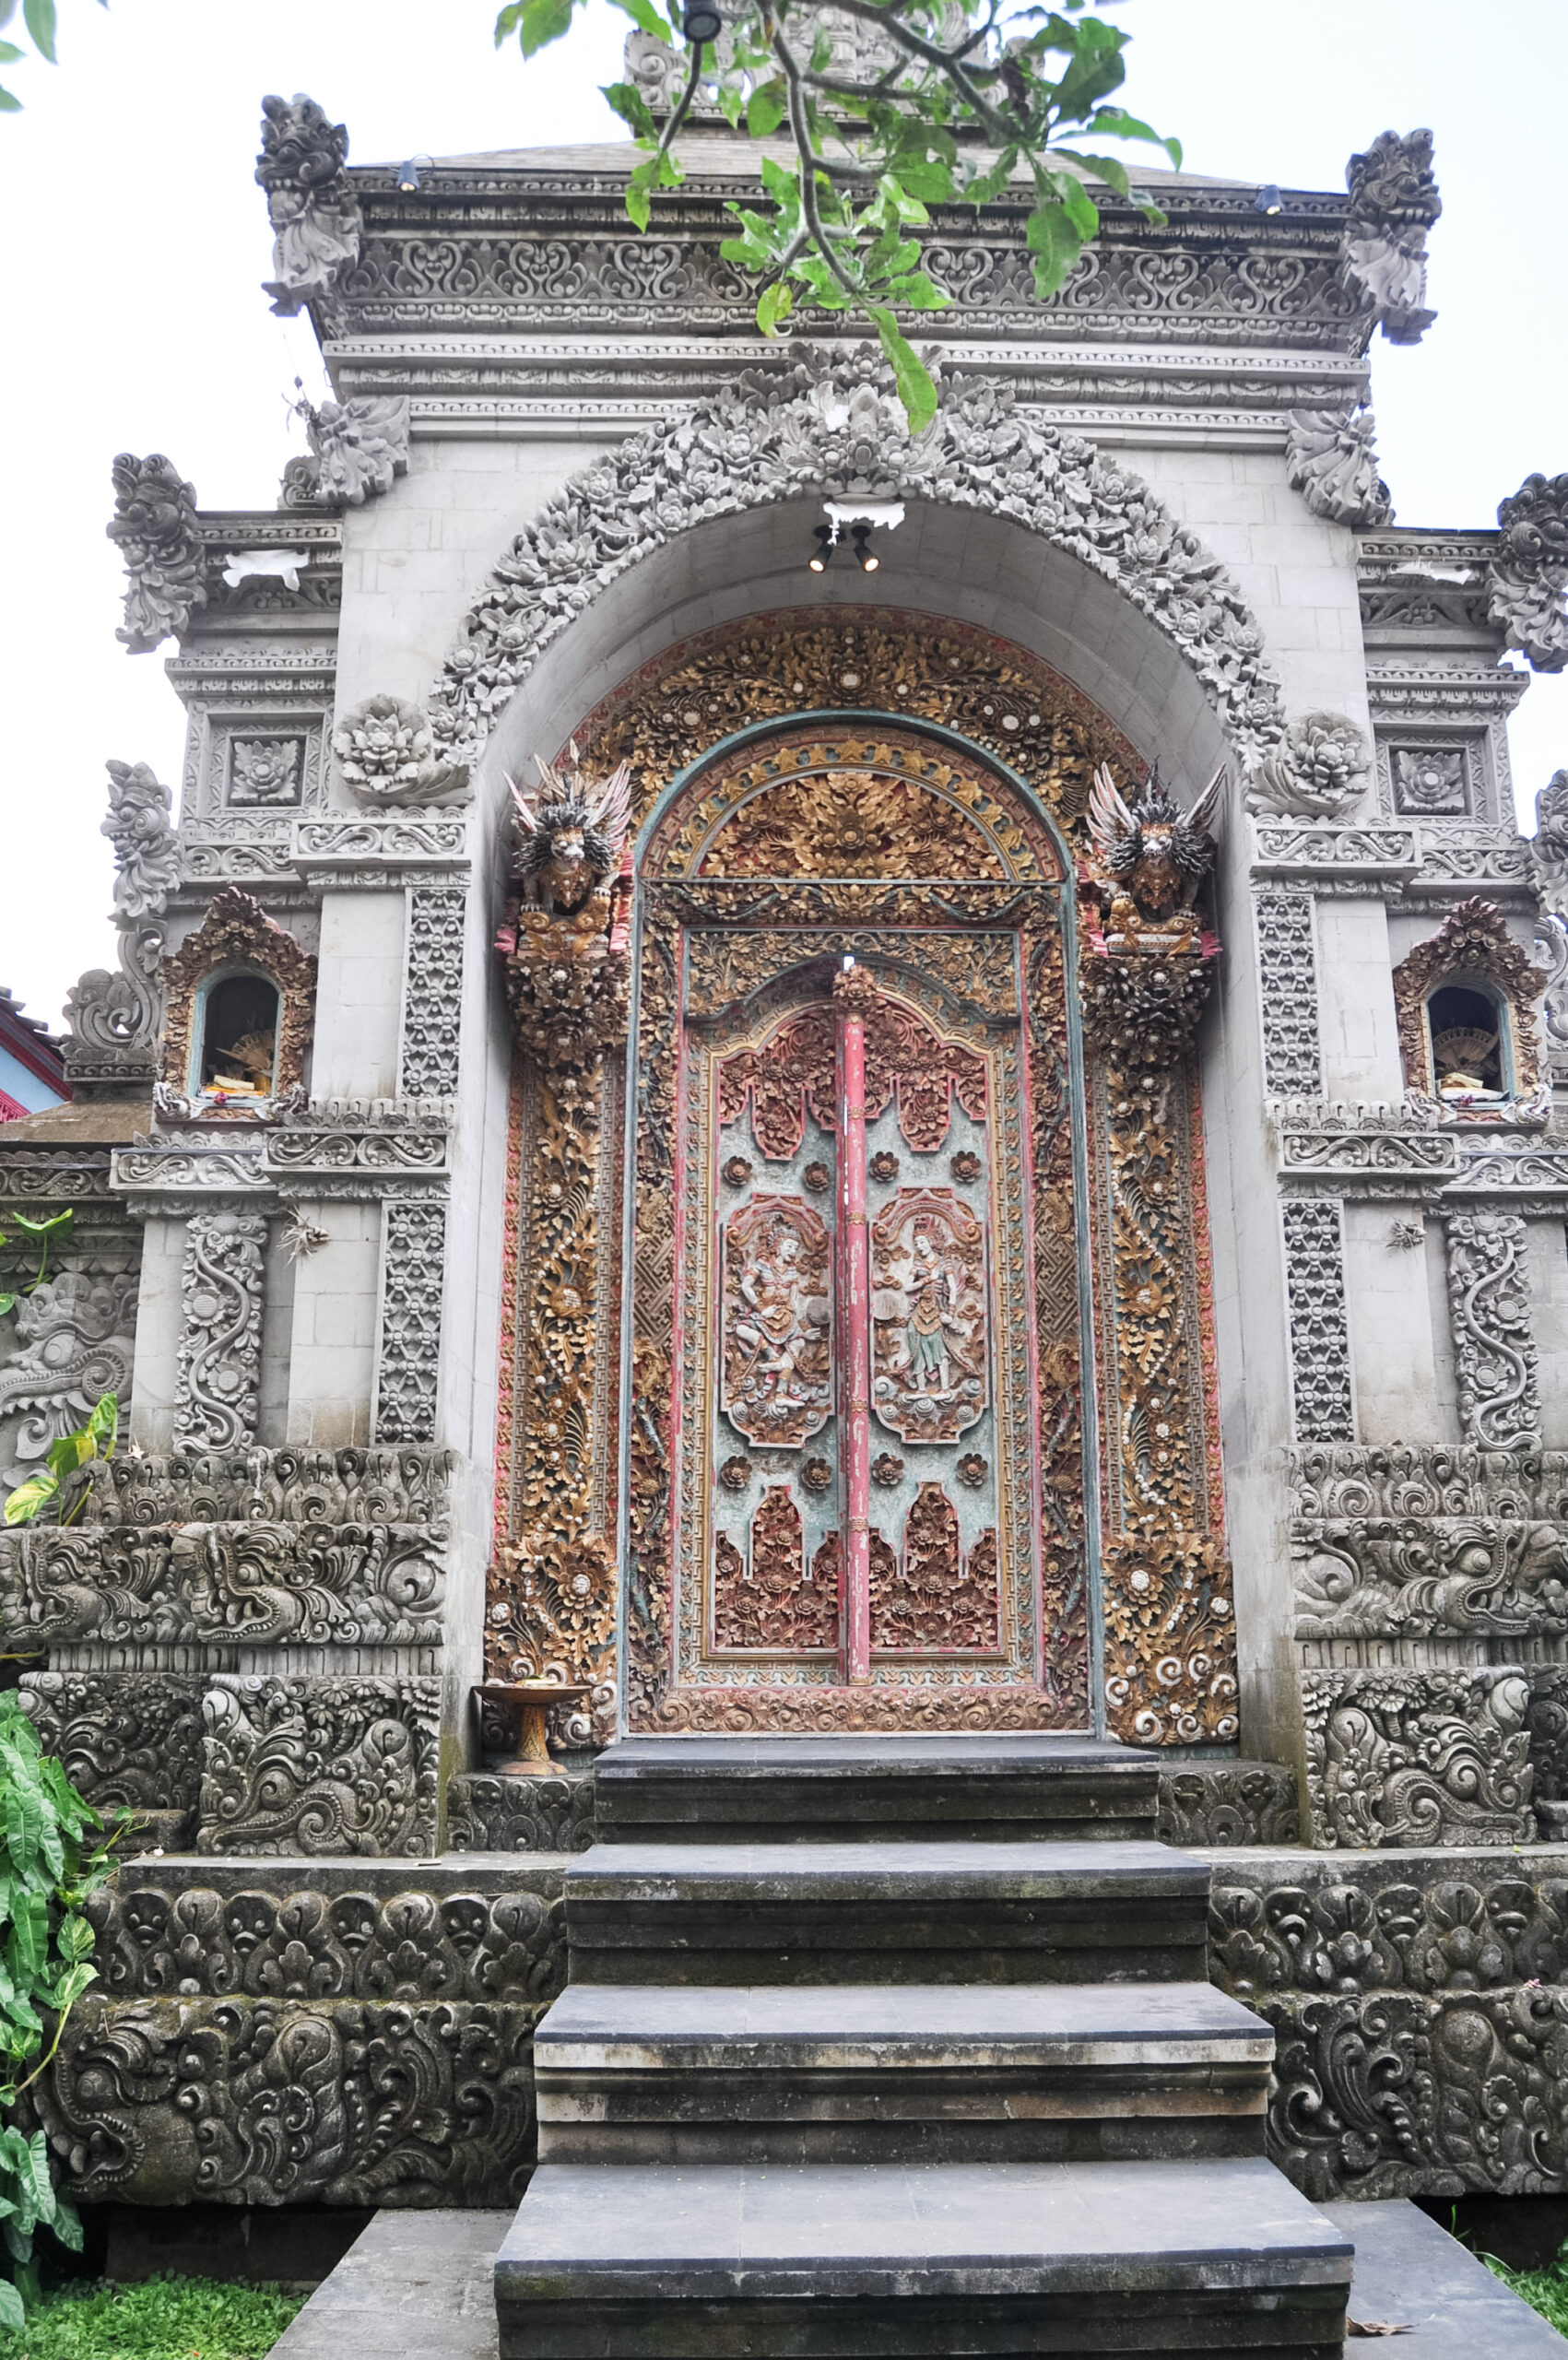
(165, 2319)
(1546, 2291)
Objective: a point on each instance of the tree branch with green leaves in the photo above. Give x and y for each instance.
(943, 102)
(41, 21)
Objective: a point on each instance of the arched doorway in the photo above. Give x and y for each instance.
(857, 1148)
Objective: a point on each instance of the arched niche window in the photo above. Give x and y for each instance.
(1468, 1040)
(235, 1044)
(241, 996)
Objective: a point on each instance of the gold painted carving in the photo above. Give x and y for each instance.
(568, 981)
(237, 931)
(1473, 940)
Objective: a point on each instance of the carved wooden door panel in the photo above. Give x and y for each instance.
(855, 1476)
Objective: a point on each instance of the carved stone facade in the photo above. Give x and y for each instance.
(792, 1206)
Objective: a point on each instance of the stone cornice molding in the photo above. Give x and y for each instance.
(379, 853)
(1334, 858)
(818, 428)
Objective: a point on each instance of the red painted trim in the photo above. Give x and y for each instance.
(9, 1110)
(854, 1298)
(44, 1064)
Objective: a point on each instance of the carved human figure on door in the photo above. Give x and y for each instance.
(776, 1364)
(929, 1311)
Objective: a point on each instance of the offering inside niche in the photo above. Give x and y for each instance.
(238, 1051)
(1467, 1047)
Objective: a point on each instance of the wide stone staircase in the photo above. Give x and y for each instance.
(886, 2046)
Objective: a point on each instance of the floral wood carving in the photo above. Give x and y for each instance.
(778, 1601)
(236, 930)
(904, 1060)
(1146, 960)
(1473, 940)
(797, 433)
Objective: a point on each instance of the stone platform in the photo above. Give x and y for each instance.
(417, 2286)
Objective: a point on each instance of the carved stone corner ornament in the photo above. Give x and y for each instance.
(154, 527)
(237, 931)
(316, 222)
(1530, 572)
(1331, 461)
(385, 751)
(1146, 960)
(564, 934)
(1394, 201)
(358, 449)
(1319, 774)
(113, 1016)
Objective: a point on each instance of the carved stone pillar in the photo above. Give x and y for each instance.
(1320, 1334)
(1494, 1348)
(218, 1400)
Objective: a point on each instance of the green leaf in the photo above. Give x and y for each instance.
(29, 1498)
(918, 293)
(987, 187)
(9, 54)
(39, 17)
(912, 379)
(67, 2224)
(631, 105)
(71, 1985)
(7, 1303)
(774, 304)
(1104, 167)
(541, 21)
(1055, 245)
(639, 197)
(12, 2313)
(766, 110)
(46, 1228)
(72, 1450)
(103, 1426)
(646, 18)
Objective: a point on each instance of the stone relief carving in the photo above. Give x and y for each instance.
(1550, 947)
(433, 993)
(1528, 573)
(1229, 1804)
(385, 751)
(1418, 1758)
(1414, 1574)
(1331, 461)
(1472, 942)
(1394, 201)
(1320, 773)
(154, 527)
(124, 1737)
(1549, 847)
(291, 1486)
(264, 773)
(413, 1268)
(72, 1340)
(216, 1583)
(216, 1404)
(306, 1765)
(1320, 1334)
(819, 426)
(236, 930)
(316, 222)
(485, 1814)
(1431, 781)
(114, 1017)
(357, 450)
(1287, 959)
(1495, 1349)
(164, 2101)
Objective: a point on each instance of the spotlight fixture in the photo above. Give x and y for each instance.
(861, 536)
(409, 173)
(700, 23)
(818, 560)
(1268, 199)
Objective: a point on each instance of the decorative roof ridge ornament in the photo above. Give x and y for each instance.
(154, 527)
(1394, 201)
(1529, 576)
(1330, 460)
(113, 1015)
(316, 223)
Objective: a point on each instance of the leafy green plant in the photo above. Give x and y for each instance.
(162, 2319)
(40, 18)
(54, 1230)
(65, 1460)
(976, 98)
(51, 1860)
(1546, 2291)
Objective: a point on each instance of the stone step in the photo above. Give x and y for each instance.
(828, 1789)
(619, 2261)
(886, 1913)
(901, 2072)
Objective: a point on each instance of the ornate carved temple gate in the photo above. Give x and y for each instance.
(805, 1351)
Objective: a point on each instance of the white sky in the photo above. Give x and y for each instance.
(135, 243)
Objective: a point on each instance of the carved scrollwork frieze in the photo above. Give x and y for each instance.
(1405, 1759)
(329, 1767)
